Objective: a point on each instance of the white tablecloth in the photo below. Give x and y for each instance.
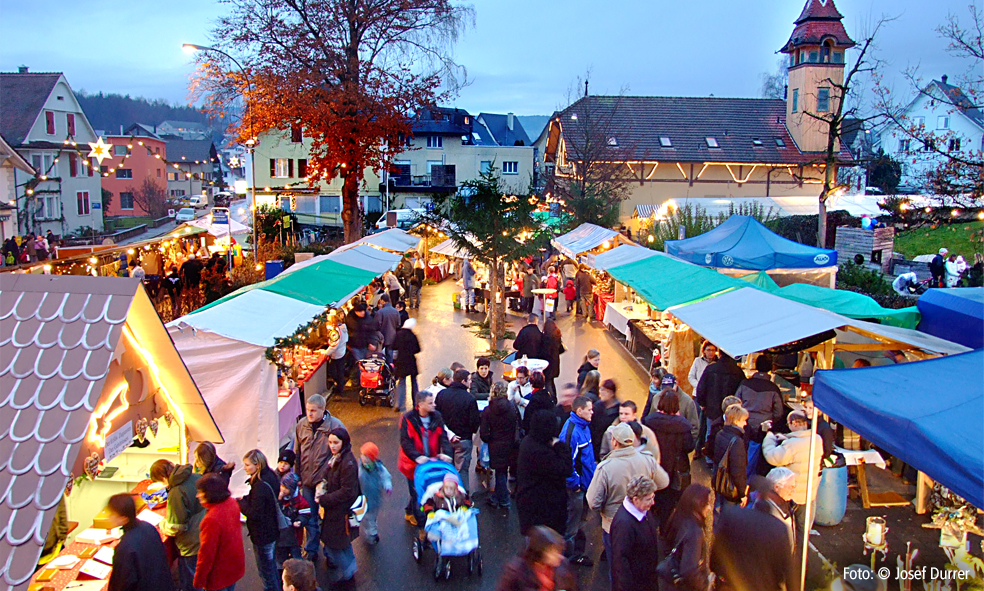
(871, 457)
(618, 314)
(532, 364)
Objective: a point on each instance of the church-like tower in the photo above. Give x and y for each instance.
(816, 52)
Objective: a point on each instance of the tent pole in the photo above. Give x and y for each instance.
(811, 475)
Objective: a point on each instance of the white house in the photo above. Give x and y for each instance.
(943, 114)
(10, 161)
(42, 120)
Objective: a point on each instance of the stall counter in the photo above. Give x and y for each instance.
(618, 314)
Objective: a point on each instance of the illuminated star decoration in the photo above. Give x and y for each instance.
(234, 162)
(99, 150)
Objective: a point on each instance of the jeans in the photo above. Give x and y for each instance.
(528, 305)
(575, 509)
(344, 560)
(313, 527)
(606, 541)
(400, 394)
(462, 460)
(754, 454)
(414, 296)
(388, 354)
(368, 524)
(186, 572)
(470, 297)
(501, 493)
(413, 507)
(283, 553)
(800, 512)
(266, 565)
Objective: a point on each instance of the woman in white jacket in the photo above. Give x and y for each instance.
(708, 353)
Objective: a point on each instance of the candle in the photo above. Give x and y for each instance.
(875, 531)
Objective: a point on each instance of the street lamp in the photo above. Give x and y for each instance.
(250, 143)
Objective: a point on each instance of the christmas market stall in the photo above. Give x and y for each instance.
(93, 392)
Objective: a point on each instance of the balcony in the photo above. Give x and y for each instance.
(440, 180)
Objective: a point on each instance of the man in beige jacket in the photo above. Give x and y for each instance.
(612, 476)
(792, 450)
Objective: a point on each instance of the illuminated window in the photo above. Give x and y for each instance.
(712, 142)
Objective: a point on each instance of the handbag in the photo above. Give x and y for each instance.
(283, 522)
(723, 485)
(668, 569)
(357, 512)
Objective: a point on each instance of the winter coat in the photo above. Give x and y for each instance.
(500, 420)
(738, 458)
(220, 467)
(690, 539)
(650, 446)
(388, 322)
(751, 552)
(413, 435)
(635, 551)
(584, 283)
(184, 513)
(442, 502)
(570, 292)
(761, 398)
(582, 372)
(459, 408)
(529, 284)
(675, 441)
(688, 407)
(551, 346)
(140, 561)
(529, 342)
(794, 453)
(772, 504)
(539, 400)
(467, 275)
(576, 433)
(601, 420)
(297, 510)
(607, 490)
(374, 479)
(480, 387)
(406, 346)
(541, 476)
(696, 371)
(221, 557)
(360, 329)
(260, 508)
(341, 491)
(311, 449)
(720, 380)
(520, 575)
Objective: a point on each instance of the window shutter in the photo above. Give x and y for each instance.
(296, 135)
(73, 164)
(49, 122)
(290, 168)
(302, 167)
(71, 123)
(92, 166)
(273, 167)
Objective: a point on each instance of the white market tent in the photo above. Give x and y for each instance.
(362, 256)
(394, 240)
(620, 255)
(584, 238)
(449, 249)
(218, 230)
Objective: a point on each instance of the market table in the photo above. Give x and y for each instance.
(437, 272)
(531, 364)
(618, 314)
(600, 302)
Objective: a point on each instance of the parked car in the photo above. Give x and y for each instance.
(185, 214)
(199, 202)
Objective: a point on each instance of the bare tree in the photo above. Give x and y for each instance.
(152, 198)
(774, 83)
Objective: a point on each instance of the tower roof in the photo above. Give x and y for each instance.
(820, 20)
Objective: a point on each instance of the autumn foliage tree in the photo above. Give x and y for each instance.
(348, 72)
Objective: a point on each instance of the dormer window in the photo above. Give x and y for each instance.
(665, 142)
(757, 143)
(780, 143)
(711, 142)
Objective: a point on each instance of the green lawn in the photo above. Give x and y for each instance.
(963, 239)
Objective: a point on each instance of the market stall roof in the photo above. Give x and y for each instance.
(60, 336)
(621, 255)
(742, 242)
(665, 281)
(448, 248)
(955, 314)
(394, 239)
(182, 231)
(361, 256)
(936, 429)
(584, 238)
(218, 230)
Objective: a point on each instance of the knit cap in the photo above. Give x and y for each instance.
(370, 450)
(290, 481)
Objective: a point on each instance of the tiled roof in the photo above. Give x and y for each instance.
(58, 335)
(819, 9)
(191, 149)
(818, 21)
(21, 98)
(960, 100)
(640, 125)
(442, 121)
(498, 126)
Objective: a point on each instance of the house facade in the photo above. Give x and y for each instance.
(193, 167)
(186, 130)
(940, 118)
(713, 151)
(41, 119)
(133, 161)
(10, 161)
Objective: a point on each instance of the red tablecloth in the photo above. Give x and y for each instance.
(600, 303)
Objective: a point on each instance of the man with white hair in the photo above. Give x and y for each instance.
(793, 451)
(776, 499)
(938, 268)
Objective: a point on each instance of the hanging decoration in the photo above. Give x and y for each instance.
(100, 150)
(92, 465)
(142, 430)
(168, 418)
(154, 425)
(282, 346)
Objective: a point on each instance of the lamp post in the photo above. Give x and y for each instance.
(250, 143)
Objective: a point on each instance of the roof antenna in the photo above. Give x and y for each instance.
(586, 87)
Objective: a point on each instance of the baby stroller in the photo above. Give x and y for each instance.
(450, 534)
(376, 381)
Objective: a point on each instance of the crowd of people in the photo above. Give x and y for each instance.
(31, 248)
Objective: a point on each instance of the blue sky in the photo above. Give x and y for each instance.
(521, 56)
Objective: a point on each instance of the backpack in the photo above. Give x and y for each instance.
(723, 485)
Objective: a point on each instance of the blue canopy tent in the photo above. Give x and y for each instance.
(955, 314)
(937, 428)
(742, 244)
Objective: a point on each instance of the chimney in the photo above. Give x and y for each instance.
(942, 78)
(22, 70)
(510, 121)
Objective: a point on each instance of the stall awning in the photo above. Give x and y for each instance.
(742, 242)
(394, 240)
(218, 230)
(582, 239)
(926, 413)
(955, 314)
(362, 257)
(448, 248)
(620, 255)
(664, 281)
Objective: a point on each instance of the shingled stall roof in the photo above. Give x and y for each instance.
(79, 357)
(687, 129)
(22, 96)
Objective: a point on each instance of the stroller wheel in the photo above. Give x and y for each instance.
(447, 569)
(438, 568)
(478, 560)
(417, 550)
(363, 400)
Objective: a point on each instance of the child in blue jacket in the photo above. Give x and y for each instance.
(374, 479)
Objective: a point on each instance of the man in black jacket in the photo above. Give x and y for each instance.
(720, 380)
(937, 267)
(460, 411)
(139, 560)
(751, 552)
(528, 341)
(763, 401)
(360, 328)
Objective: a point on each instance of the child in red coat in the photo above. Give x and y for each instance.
(570, 294)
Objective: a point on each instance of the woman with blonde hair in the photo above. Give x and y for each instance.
(500, 420)
(441, 381)
(207, 461)
(260, 509)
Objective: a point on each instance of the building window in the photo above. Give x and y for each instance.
(124, 173)
(50, 209)
(177, 192)
(838, 57)
(158, 173)
(435, 141)
(823, 100)
(813, 57)
(49, 122)
(36, 163)
(330, 204)
(780, 143)
(712, 142)
(119, 150)
(172, 176)
(92, 166)
(485, 166)
(613, 142)
(126, 200)
(70, 117)
(82, 200)
(757, 143)
(796, 100)
(929, 145)
(510, 167)
(904, 146)
(954, 144)
(296, 134)
(665, 142)
(919, 121)
(943, 122)
(302, 170)
(278, 168)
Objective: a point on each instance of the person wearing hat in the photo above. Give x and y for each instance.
(296, 508)
(407, 347)
(661, 380)
(608, 487)
(285, 463)
(374, 479)
(628, 413)
(937, 267)
(793, 451)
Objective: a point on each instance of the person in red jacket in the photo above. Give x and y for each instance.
(221, 558)
(423, 438)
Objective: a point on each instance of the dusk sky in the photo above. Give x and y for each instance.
(521, 56)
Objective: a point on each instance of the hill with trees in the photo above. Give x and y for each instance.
(110, 111)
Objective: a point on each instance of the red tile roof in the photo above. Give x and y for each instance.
(819, 20)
